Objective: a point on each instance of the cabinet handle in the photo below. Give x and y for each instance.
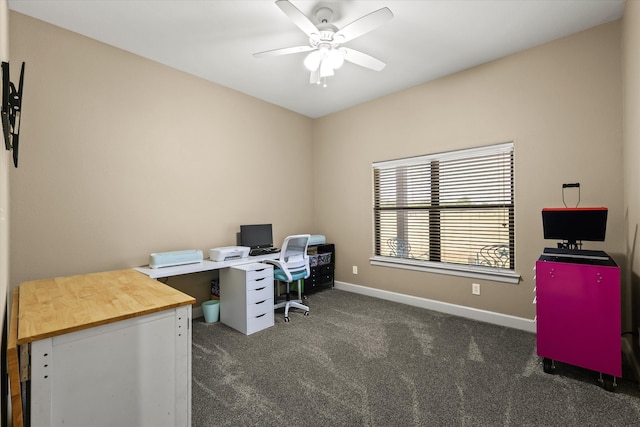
(260, 302)
(259, 289)
(262, 278)
(259, 316)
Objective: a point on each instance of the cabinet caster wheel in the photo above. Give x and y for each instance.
(547, 366)
(306, 313)
(608, 383)
(286, 319)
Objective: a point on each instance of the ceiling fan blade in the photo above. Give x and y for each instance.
(297, 17)
(363, 25)
(284, 51)
(314, 77)
(363, 60)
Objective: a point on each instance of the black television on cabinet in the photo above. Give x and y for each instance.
(256, 236)
(574, 225)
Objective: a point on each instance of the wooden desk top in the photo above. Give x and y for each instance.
(61, 305)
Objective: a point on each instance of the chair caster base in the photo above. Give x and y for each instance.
(286, 319)
(306, 313)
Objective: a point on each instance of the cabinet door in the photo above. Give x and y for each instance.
(578, 315)
(132, 372)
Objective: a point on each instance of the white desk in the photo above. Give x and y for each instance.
(204, 265)
(230, 302)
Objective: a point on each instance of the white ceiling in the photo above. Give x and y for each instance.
(215, 39)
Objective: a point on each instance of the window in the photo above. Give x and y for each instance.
(452, 210)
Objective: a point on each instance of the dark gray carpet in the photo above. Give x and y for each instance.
(361, 361)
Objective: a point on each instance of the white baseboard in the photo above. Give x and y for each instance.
(521, 323)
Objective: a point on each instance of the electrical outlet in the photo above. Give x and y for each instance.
(475, 288)
(355, 269)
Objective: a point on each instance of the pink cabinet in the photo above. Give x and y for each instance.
(578, 311)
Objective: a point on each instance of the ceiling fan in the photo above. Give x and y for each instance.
(325, 41)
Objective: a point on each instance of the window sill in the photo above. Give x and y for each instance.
(472, 271)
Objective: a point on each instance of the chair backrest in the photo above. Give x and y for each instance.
(293, 254)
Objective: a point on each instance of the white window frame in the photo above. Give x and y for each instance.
(500, 274)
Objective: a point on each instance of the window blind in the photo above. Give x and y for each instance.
(455, 207)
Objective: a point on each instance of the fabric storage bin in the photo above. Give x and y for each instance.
(313, 260)
(324, 259)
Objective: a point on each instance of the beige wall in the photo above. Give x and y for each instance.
(122, 157)
(5, 159)
(561, 105)
(631, 148)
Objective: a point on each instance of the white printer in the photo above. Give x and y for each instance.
(227, 253)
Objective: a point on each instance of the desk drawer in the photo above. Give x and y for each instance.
(319, 280)
(260, 294)
(259, 308)
(260, 283)
(260, 273)
(260, 322)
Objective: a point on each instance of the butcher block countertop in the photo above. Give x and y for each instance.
(52, 307)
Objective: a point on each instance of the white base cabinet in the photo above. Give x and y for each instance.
(135, 372)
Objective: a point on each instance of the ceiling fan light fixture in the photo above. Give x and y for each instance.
(336, 58)
(325, 68)
(312, 61)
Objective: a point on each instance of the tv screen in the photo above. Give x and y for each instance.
(575, 224)
(256, 236)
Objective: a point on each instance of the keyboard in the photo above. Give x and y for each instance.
(263, 251)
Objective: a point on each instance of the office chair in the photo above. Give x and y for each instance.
(291, 266)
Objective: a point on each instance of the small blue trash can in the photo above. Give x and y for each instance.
(211, 311)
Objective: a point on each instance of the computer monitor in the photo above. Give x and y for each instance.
(575, 224)
(256, 236)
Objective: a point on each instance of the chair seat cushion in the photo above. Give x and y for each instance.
(278, 274)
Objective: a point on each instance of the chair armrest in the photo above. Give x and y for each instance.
(281, 266)
(275, 262)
